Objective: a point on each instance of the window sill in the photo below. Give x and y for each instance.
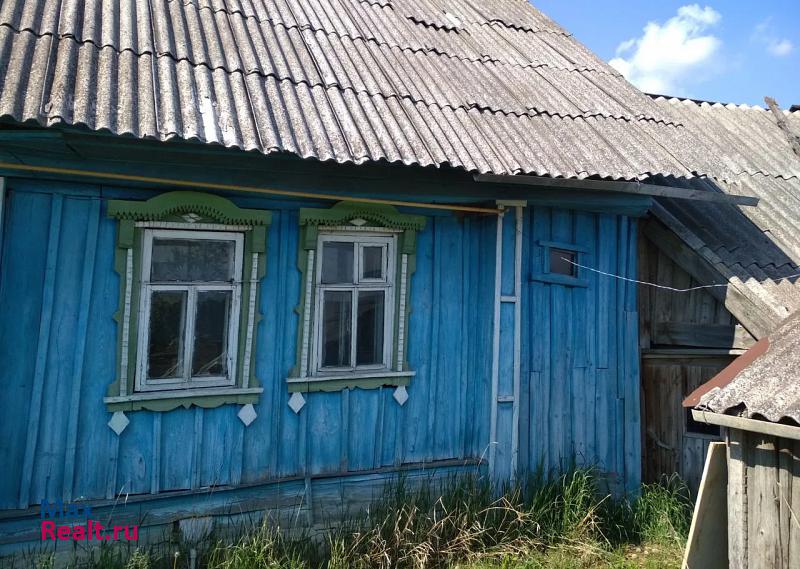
(559, 280)
(167, 400)
(338, 382)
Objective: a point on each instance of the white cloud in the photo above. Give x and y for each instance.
(667, 54)
(779, 47)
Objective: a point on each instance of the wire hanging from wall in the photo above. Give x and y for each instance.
(664, 287)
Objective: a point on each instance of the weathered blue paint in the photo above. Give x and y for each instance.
(579, 374)
(580, 403)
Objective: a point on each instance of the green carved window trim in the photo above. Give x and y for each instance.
(186, 211)
(353, 217)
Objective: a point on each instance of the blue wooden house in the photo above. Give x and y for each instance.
(270, 254)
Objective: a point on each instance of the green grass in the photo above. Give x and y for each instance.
(457, 524)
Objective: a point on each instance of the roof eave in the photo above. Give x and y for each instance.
(619, 186)
(745, 424)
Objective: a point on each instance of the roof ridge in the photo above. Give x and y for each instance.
(530, 111)
(701, 103)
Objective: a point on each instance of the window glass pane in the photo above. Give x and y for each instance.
(210, 354)
(337, 262)
(372, 263)
(336, 323)
(192, 260)
(561, 262)
(369, 337)
(167, 321)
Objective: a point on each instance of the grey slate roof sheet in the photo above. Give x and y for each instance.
(755, 246)
(488, 87)
(768, 388)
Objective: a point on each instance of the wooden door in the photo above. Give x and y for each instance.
(673, 443)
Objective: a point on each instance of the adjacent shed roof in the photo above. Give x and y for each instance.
(753, 248)
(762, 384)
(489, 87)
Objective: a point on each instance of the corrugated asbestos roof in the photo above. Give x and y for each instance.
(488, 87)
(753, 247)
(769, 387)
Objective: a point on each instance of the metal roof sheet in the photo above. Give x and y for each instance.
(494, 88)
(769, 387)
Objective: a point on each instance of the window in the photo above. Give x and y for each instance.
(562, 262)
(190, 266)
(357, 262)
(190, 295)
(559, 264)
(354, 303)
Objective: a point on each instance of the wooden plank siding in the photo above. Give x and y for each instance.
(763, 501)
(686, 338)
(579, 391)
(581, 400)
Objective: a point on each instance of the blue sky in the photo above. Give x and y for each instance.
(724, 50)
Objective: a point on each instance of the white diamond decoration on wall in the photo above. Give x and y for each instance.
(247, 414)
(358, 222)
(401, 395)
(118, 422)
(297, 402)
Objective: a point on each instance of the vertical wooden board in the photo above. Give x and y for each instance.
(794, 533)
(415, 436)
(176, 455)
(784, 491)
(505, 422)
(222, 433)
(82, 344)
(537, 352)
(473, 352)
(586, 228)
(604, 404)
(506, 363)
(325, 424)
(481, 336)
(539, 349)
(50, 451)
(536, 440)
(136, 455)
(509, 253)
(21, 288)
(95, 454)
(737, 499)
(560, 402)
(663, 299)
(578, 415)
(632, 417)
(561, 225)
(447, 425)
(390, 420)
(763, 513)
(606, 296)
(525, 342)
(693, 454)
(364, 428)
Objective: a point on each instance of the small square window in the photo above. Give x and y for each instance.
(562, 262)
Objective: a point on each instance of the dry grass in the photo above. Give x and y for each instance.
(462, 523)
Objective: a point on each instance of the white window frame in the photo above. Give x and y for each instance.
(187, 382)
(360, 240)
